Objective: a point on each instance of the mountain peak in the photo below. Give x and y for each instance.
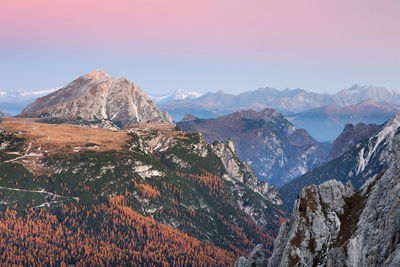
(95, 96)
(189, 117)
(97, 74)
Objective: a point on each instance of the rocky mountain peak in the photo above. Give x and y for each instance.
(189, 117)
(97, 96)
(97, 75)
(272, 146)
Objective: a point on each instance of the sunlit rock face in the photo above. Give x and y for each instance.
(97, 96)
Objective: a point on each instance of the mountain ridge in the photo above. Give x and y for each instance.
(288, 101)
(273, 147)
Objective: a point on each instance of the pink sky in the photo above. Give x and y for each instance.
(260, 26)
(332, 32)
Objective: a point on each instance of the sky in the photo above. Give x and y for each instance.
(229, 45)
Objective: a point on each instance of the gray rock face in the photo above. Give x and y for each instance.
(315, 225)
(241, 172)
(333, 225)
(256, 259)
(97, 96)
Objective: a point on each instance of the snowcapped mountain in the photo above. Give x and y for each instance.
(359, 93)
(178, 94)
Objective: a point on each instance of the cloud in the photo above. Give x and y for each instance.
(37, 93)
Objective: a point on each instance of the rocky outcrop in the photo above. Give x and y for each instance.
(240, 172)
(333, 225)
(272, 146)
(315, 225)
(97, 96)
(351, 136)
(365, 159)
(256, 258)
(189, 117)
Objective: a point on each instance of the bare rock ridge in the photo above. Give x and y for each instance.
(98, 96)
(256, 258)
(335, 226)
(240, 172)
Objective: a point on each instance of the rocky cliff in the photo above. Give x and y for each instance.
(333, 225)
(272, 146)
(98, 96)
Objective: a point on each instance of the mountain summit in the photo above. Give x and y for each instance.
(273, 147)
(95, 96)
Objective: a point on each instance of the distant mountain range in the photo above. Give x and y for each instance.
(176, 95)
(326, 123)
(13, 101)
(273, 147)
(322, 115)
(288, 102)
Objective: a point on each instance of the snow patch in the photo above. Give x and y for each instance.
(386, 134)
